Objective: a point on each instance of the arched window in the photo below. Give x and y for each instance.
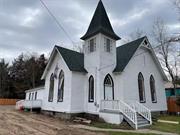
(153, 89)
(141, 88)
(91, 89)
(108, 88)
(51, 88)
(61, 87)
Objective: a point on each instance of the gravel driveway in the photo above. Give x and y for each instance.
(14, 122)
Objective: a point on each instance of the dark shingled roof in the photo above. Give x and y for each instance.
(73, 59)
(100, 24)
(125, 53)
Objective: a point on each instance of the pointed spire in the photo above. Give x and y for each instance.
(100, 24)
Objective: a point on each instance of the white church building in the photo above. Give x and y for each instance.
(113, 83)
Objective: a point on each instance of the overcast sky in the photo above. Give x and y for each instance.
(25, 25)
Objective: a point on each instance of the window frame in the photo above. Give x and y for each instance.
(153, 89)
(51, 88)
(108, 76)
(108, 45)
(35, 96)
(141, 88)
(61, 91)
(30, 96)
(91, 89)
(92, 45)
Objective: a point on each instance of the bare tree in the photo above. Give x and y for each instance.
(177, 5)
(78, 47)
(167, 51)
(138, 33)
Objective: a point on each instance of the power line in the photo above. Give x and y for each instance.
(56, 20)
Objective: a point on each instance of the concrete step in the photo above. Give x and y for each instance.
(143, 126)
(142, 122)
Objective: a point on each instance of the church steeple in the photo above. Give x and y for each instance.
(100, 24)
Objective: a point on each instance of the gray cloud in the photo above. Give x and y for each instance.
(26, 26)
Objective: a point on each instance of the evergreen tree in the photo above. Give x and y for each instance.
(5, 82)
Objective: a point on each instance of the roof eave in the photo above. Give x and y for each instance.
(88, 35)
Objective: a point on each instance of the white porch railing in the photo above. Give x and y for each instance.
(128, 112)
(141, 109)
(117, 105)
(32, 104)
(112, 105)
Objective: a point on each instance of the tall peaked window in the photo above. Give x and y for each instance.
(61, 86)
(153, 89)
(29, 96)
(108, 88)
(35, 95)
(91, 89)
(107, 44)
(51, 88)
(92, 45)
(141, 88)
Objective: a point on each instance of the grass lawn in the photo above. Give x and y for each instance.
(165, 127)
(117, 133)
(174, 128)
(113, 126)
(110, 126)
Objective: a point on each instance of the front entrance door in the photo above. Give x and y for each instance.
(108, 93)
(108, 88)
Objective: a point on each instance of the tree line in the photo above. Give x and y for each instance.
(24, 73)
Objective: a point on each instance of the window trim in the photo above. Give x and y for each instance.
(30, 96)
(61, 74)
(109, 76)
(152, 80)
(92, 47)
(92, 92)
(140, 76)
(108, 50)
(35, 96)
(51, 83)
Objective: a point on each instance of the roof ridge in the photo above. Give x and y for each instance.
(69, 49)
(132, 41)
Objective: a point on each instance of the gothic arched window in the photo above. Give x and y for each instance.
(51, 88)
(108, 88)
(153, 89)
(91, 89)
(61, 86)
(141, 88)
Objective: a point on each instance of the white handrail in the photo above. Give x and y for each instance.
(120, 106)
(141, 109)
(128, 112)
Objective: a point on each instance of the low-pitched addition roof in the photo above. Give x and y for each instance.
(73, 59)
(125, 53)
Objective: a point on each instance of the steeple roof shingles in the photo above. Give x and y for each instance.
(100, 24)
